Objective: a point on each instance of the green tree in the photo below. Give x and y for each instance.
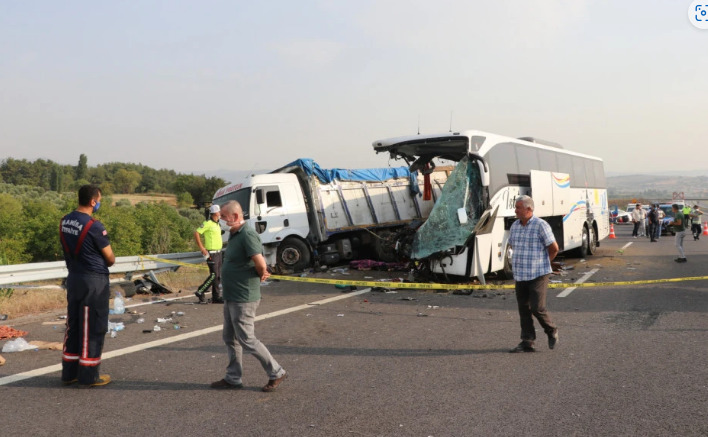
(13, 244)
(126, 181)
(82, 167)
(164, 230)
(41, 228)
(57, 183)
(123, 229)
(184, 200)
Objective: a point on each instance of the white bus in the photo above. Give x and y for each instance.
(467, 232)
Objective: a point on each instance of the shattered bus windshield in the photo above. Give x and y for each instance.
(442, 230)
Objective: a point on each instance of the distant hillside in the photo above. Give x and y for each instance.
(657, 187)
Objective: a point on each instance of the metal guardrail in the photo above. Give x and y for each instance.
(19, 273)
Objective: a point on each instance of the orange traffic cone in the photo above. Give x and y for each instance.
(612, 235)
(705, 228)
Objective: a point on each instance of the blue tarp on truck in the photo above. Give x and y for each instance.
(310, 167)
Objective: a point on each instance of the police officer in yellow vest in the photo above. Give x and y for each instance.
(211, 249)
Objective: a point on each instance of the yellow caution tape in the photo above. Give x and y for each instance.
(179, 263)
(426, 286)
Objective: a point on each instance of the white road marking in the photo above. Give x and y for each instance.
(139, 347)
(584, 278)
(626, 245)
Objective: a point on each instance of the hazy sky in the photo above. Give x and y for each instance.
(199, 86)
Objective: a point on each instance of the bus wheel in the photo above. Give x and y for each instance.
(592, 247)
(508, 273)
(293, 254)
(584, 248)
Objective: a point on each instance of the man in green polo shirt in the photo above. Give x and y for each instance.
(211, 249)
(243, 270)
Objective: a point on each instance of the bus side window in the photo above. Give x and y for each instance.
(526, 159)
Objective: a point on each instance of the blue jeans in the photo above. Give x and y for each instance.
(679, 243)
(239, 334)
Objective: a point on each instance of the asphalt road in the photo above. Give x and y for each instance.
(632, 360)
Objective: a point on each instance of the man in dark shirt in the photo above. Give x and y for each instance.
(88, 254)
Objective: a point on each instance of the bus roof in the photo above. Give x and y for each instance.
(455, 145)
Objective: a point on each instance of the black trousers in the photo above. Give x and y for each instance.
(531, 298)
(214, 279)
(635, 231)
(696, 228)
(87, 297)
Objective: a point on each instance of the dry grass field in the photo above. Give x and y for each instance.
(170, 199)
(32, 301)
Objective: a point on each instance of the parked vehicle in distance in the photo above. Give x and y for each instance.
(621, 216)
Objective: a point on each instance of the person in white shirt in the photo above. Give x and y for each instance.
(638, 217)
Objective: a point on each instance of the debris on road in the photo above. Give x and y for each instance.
(48, 345)
(18, 345)
(9, 332)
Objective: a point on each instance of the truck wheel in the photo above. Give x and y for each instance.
(507, 271)
(384, 246)
(293, 254)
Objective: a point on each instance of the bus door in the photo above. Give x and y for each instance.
(551, 198)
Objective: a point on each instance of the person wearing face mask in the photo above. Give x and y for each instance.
(243, 271)
(211, 249)
(88, 254)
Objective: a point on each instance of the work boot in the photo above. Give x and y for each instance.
(274, 383)
(200, 296)
(102, 380)
(523, 347)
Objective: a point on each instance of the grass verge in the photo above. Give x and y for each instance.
(29, 301)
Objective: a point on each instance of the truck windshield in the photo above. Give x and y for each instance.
(242, 196)
(443, 230)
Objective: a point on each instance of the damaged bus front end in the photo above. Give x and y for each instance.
(452, 239)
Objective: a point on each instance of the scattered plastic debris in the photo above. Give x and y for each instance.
(18, 345)
(114, 327)
(164, 319)
(156, 328)
(340, 315)
(433, 307)
(407, 298)
(140, 320)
